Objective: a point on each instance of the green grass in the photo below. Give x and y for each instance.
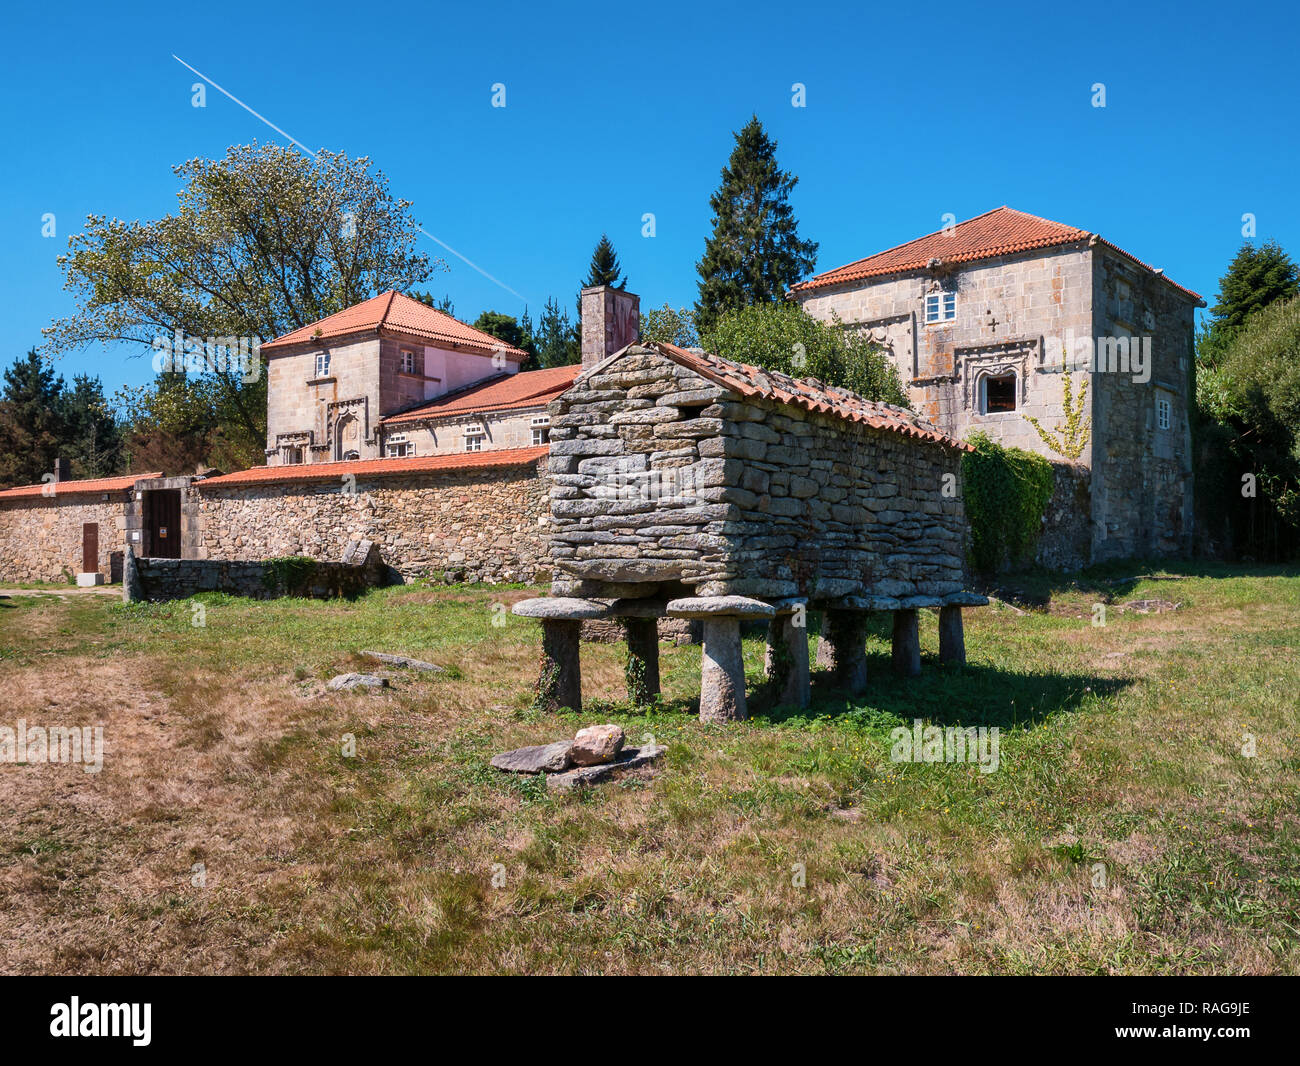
(1124, 831)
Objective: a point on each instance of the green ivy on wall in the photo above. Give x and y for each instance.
(1007, 490)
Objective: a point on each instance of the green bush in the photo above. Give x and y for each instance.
(1007, 490)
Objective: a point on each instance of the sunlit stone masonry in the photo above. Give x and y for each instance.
(689, 486)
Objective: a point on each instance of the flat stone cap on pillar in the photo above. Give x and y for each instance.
(965, 599)
(719, 606)
(566, 608)
(871, 603)
(788, 604)
(921, 601)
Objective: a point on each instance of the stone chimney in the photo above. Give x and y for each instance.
(611, 319)
(62, 470)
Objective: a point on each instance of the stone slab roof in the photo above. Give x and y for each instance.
(806, 393)
(76, 488)
(415, 464)
(507, 392)
(396, 313)
(1002, 231)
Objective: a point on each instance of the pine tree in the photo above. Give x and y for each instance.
(555, 345)
(755, 253)
(1256, 277)
(33, 407)
(92, 435)
(604, 268)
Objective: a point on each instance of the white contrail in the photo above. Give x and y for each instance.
(298, 144)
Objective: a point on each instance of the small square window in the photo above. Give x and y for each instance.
(474, 442)
(940, 306)
(408, 362)
(999, 393)
(322, 364)
(1164, 413)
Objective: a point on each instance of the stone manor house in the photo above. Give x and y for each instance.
(396, 423)
(983, 318)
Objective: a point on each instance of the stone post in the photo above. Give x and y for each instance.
(825, 652)
(722, 672)
(952, 636)
(722, 676)
(907, 643)
(642, 668)
(132, 586)
(786, 661)
(559, 680)
(846, 633)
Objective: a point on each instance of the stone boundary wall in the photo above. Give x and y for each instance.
(178, 579)
(1066, 540)
(40, 536)
(474, 525)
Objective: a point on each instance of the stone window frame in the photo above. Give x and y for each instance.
(1164, 412)
(971, 364)
(982, 385)
(322, 365)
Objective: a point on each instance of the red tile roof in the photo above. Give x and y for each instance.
(1003, 231)
(393, 312)
(808, 393)
(533, 388)
(263, 475)
(76, 488)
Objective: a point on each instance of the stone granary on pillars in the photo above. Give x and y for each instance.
(689, 486)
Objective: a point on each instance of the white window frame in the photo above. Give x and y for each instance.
(407, 362)
(945, 306)
(1164, 412)
(541, 426)
(474, 441)
(322, 365)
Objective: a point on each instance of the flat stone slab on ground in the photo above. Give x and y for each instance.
(715, 606)
(566, 608)
(404, 661)
(965, 599)
(350, 681)
(628, 759)
(536, 759)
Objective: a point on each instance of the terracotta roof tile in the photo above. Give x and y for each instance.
(808, 393)
(262, 475)
(533, 388)
(395, 312)
(76, 488)
(1002, 231)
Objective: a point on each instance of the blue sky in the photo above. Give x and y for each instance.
(617, 110)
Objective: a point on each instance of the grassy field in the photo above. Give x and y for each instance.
(1123, 832)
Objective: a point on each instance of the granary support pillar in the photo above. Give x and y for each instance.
(952, 636)
(846, 634)
(559, 678)
(642, 669)
(786, 663)
(906, 643)
(722, 672)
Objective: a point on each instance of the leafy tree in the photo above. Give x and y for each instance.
(175, 425)
(263, 241)
(754, 253)
(556, 343)
(604, 268)
(1252, 395)
(508, 330)
(785, 337)
(1256, 278)
(669, 325)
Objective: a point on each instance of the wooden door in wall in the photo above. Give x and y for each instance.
(165, 523)
(89, 547)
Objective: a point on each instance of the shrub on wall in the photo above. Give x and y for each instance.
(1007, 490)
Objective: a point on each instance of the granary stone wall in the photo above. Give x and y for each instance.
(40, 536)
(663, 479)
(486, 525)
